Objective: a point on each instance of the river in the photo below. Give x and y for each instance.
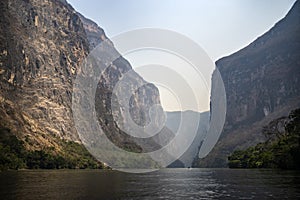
(186, 184)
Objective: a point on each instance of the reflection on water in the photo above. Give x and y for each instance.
(164, 184)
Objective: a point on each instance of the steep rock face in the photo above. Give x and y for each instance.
(42, 44)
(140, 101)
(262, 83)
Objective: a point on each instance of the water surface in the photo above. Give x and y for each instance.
(164, 184)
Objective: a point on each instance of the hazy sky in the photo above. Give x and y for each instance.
(220, 27)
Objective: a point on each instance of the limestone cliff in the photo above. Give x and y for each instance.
(42, 44)
(262, 83)
(140, 102)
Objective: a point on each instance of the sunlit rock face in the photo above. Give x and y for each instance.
(262, 83)
(42, 44)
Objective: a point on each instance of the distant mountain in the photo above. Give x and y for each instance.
(173, 123)
(262, 83)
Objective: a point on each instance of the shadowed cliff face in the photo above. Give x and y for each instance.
(140, 102)
(42, 44)
(261, 83)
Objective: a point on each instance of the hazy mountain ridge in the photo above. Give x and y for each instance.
(261, 83)
(173, 123)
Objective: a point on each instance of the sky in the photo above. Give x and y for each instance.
(220, 27)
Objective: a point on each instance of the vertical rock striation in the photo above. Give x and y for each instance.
(41, 45)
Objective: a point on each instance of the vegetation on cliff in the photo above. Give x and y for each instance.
(281, 150)
(14, 155)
